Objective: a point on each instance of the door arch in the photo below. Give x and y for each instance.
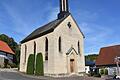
(72, 61)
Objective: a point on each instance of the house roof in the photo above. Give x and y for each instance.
(45, 29)
(89, 63)
(5, 48)
(107, 55)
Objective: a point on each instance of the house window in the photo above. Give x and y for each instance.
(78, 47)
(25, 52)
(46, 48)
(59, 44)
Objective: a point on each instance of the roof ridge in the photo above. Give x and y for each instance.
(110, 46)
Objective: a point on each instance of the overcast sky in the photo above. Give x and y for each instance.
(99, 20)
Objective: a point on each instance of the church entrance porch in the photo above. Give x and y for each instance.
(72, 61)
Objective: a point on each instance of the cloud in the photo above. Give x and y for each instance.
(53, 13)
(91, 53)
(86, 15)
(19, 23)
(24, 22)
(96, 35)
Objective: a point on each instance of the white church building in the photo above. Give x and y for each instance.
(61, 43)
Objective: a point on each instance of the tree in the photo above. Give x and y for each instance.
(91, 57)
(39, 65)
(102, 71)
(106, 72)
(30, 66)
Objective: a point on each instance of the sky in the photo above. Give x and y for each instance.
(99, 20)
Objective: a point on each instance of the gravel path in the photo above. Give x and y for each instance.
(10, 74)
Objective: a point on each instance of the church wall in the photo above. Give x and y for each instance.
(40, 47)
(22, 60)
(70, 38)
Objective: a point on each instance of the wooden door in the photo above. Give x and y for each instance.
(71, 65)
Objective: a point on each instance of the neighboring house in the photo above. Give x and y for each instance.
(5, 53)
(89, 66)
(107, 57)
(61, 42)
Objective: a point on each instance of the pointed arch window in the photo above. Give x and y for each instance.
(34, 55)
(34, 47)
(46, 48)
(34, 51)
(25, 53)
(78, 47)
(59, 41)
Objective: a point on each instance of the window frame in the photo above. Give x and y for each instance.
(59, 44)
(46, 48)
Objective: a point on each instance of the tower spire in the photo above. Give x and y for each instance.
(64, 8)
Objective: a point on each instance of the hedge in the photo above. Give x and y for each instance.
(102, 71)
(30, 64)
(106, 72)
(39, 65)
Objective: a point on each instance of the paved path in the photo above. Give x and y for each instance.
(10, 74)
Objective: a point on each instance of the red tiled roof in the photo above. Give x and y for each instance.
(107, 55)
(5, 48)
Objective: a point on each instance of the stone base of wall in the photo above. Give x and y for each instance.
(57, 75)
(81, 73)
(65, 75)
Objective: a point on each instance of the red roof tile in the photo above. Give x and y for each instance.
(107, 55)
(4, 47)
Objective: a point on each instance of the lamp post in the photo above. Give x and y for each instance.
(117, 60)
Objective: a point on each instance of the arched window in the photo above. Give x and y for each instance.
(34, 47)
(34, 55)
(78, 47)
(46, 48)
(34, 50)
(25, 53)
(59, 41)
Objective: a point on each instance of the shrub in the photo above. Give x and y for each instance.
(13, 65)
(91, 73)
(39, 65)
(30, 64)
(6, 63)
(97, 75)
(106, 72)
(102, 71)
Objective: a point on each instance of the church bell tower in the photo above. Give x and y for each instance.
(64, 9)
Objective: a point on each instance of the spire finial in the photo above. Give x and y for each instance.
(64, 6)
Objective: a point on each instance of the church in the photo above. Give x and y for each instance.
(61, 43)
